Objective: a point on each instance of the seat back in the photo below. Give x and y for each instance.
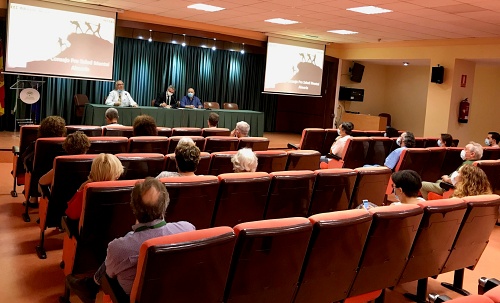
(431, 142)
(492, 170)
(302, 160)
(200, 260)
(332, 190)
(289, 194)
(432, 171)
(387, 247)
(109, 145)
(419, 142)
(491, 153)
(332, 234)
(46, 150)
(271, 160)
(474, 233)
(330, 136)
(254, 143)
(355, 152)
(358, 133)
(148, 144)
(414, 159)
(211, 105)
(233, 106)
(451, 162)
(434, 238)
(79, 100)
(312, 139)
(202, 169)
(118, 131)
(242, 198)
(106, 215)
(371, 184)
(192, 199)
(220, 163)
(186, 131)
(141, 165)
(174, 140)
(27, 134)
(218, 144)
(375, 133)
(89, 130)
(164, 131)
(267, 260)
(378, 150)
(215, 131)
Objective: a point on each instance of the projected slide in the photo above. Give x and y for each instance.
(54, 39)
(293, 67)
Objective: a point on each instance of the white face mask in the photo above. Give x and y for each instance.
(487, 142)
(385, 134)
(398, 141)
(397, 197)
(462, 154)
(169, 93)
(439, 142)
(338, 131)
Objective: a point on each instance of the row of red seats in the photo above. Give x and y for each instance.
(326, 258)
(229, 198)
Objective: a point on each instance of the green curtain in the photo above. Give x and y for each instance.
(147, 68)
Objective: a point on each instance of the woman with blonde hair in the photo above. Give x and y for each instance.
(105, 167)
(471, 181)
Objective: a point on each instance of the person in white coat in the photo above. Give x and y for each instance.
(120, 97)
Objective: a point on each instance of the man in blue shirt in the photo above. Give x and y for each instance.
(406, 140)
(190, 100)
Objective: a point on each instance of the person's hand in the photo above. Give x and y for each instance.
(135, 105)
(168, 106)
(163, 104)
(200, 106)
(117, 103)
(446, 179)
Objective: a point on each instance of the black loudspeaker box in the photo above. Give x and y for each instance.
(437, 74)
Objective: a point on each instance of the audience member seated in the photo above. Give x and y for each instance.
(472, 152)
(149, 202)
(241, 130)
(213, 120)
(166, 99)
(187, 158)
(406, 140)
(471, 181)
(76, 143)
(492, 139)
(344, 131)
(144, 125)
(391, 132)
(111, 116)
(446, 140)
(407, 184)
(244, 160)
(190, 100)
(105, 167)
(119, 96)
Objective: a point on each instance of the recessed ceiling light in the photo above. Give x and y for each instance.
(281, 21)
(369, 10)
(406, 63)
(342, 32)
(205, 7)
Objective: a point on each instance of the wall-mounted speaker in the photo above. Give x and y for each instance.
(437, 74)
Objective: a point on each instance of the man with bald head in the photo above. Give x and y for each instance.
(190, 100)
(120, 97)
(149, 203)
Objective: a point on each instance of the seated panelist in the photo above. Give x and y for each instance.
(190, 100)
(167, 98)
(120, 97)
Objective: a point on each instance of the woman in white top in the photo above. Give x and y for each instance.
(344, 131)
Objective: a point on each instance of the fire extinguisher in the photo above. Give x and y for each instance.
(463, 111)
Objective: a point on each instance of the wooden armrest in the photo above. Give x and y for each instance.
(44, 190)
(112, 288)
(15, 150)
(332, 156)
(446, 185)
(292, 146)
(70, 226)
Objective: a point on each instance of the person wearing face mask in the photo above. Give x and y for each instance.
(406, 140)
(471, 181)
(391, 132)
(344, 133)
(190, 100)
(446, 140)
(472, 152)
(406, 185)
(166, 99)
(120, 97)
(492, 139)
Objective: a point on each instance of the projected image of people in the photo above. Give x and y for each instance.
(70, 41)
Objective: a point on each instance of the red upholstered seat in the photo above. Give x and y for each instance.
(289, 194)
(330, 135)
(371, 184)
(174, 140)
(164, 131)
(89, 130)
(109, 145)
(148, 144)
(27, 134)
(332, 190)
(271, 160)
(432, 171)
(141, 165)
(220, 163)
(117, 131)
(431, 142)
(186, 131)
(333, 233)
(203, 165)
(474, 299)
(411, 158)
(492, 170)
(374, 133)
(493, 294)
(419, 142)
(491, 153)
(451, 161)
(312, 139)
(215, 131)
(219, 143)
(302, 159)
(242, 198)
(267, 260)
(379, 149)
(254, 143)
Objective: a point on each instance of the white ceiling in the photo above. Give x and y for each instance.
(410, 19)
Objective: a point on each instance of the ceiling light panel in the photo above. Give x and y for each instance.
(205, 7)
(282, 21)
(369, 10)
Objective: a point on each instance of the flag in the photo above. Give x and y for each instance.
(2, 83)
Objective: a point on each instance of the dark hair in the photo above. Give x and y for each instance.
(52, 126)
(391, 132)
(76, 143)
(187, 157)
(495, 136)
(409, 140)
(347, 127)
(147, 211)
(447, 139)
(409, 182)
(213, 119)
(144, 125)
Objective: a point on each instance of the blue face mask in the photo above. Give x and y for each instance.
(119, 91)
(487, 142)
(190, 95)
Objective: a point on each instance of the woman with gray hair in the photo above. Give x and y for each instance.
(245, 160)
